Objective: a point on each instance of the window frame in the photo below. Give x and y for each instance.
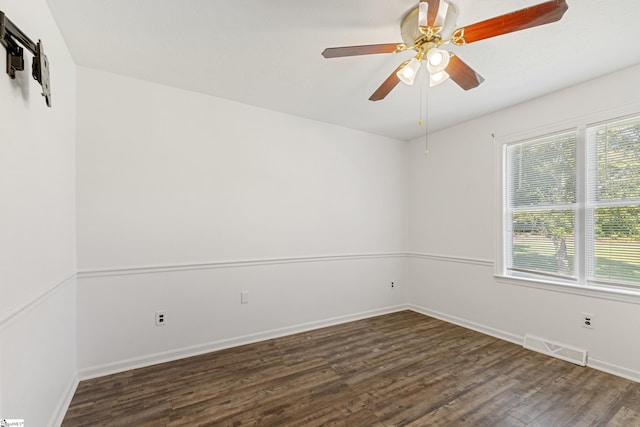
(580, 285)
(573, 207)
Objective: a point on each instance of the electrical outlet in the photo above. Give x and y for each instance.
(393, 285)
(161, 318)
(587, 320)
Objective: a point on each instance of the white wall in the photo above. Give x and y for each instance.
(452, 221)
(37, 228)
(170, 179)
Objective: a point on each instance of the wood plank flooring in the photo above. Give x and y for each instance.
(401, 369)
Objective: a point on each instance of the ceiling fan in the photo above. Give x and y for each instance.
(432, 24)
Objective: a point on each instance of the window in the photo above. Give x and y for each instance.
(613, 203)
(572, 206)
(542, 205)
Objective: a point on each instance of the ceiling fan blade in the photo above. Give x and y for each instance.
(431, 13)
(336, 52)
(464, 76)
(388, 85)
(541, 14)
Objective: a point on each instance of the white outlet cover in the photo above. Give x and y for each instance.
(161, 318)
(591, 318)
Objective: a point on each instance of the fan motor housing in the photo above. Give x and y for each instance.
(410, 31)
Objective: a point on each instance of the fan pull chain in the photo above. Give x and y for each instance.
(424, 104)
(426, 112)
(420, 121)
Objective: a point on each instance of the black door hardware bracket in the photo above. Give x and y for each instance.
(10, 36)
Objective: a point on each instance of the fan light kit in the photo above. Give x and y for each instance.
(431, 25)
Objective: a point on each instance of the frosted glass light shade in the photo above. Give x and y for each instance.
(437, 60)
(407, 74)
(437, 78)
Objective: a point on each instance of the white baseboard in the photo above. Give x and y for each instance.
(167, 356)
(599, 365)
(612, 369)
(153, 359)
(497, 333)
(63, 405)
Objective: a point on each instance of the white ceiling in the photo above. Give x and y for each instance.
(268, 54)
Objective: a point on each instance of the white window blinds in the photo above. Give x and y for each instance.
(572, 206)
(541, 205)
(613, 203)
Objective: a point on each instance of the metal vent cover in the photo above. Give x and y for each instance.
(554, 349)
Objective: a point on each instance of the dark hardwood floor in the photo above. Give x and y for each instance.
(393, 370)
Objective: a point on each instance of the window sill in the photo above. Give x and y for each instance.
(622, 295)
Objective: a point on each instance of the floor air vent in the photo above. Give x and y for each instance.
(561, 351)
